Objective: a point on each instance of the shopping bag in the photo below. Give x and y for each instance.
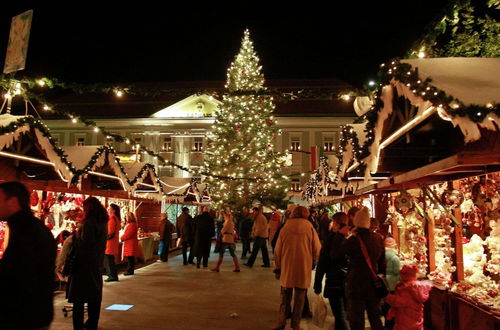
(319, 311)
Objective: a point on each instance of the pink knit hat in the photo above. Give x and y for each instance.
(390, 243)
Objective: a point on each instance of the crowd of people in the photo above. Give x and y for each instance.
(342, 256)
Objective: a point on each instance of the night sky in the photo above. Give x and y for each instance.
(122, 43)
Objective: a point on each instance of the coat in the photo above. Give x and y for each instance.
(335, 268)
(245, 226)
(228, 231)
(166, 230)
(204, 231)
(85, 280)
(393, 268)
(274, 224)
(260, 227)
(182, 224)
(359, 277)
(27, 274)
(407, 305)
(130, 241)
(297, 247)
(324, 227)
(113, 242)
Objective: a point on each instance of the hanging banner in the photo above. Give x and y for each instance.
(314, 158)
(17, 48)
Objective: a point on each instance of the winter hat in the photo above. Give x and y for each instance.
(408, 273)
(362, 218)
(390, 243)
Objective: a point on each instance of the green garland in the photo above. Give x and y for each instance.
(404, 73)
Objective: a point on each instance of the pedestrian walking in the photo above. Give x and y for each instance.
(228, 243)
(166, 230)
(112, 243)
(324, 226)
(85, 277)
(182, 225)
(360, 289)
(27, 265)
(204, 231)
(297, 249)
(335, 269)
(260, 233)
(245, 231)
(130, 242)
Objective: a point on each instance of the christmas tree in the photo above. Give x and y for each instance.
(242, 148)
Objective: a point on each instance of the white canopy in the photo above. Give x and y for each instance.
(472, 80)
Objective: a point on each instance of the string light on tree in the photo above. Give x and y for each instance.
(244, 135)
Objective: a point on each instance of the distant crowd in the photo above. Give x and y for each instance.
(354, 262)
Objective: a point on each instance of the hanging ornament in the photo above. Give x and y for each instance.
(261, 100)
(238, 128)
(403, 202)
(273, 137)
(270, 121)
(453, 198)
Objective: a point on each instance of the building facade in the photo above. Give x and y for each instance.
(178, 130)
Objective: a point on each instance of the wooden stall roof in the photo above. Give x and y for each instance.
(461, 165)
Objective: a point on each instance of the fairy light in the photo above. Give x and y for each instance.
(421, 54)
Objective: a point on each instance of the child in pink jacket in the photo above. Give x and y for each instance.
(407, 303)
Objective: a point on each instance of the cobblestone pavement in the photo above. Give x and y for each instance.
(173, 296)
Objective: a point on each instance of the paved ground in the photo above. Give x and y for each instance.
(173, 296)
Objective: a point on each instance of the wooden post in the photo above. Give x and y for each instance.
(431, 246)
(457, 239)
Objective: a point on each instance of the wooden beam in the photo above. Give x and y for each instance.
(457, 240)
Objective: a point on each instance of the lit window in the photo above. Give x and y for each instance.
(198, 144)
(295, 185)
(328, 143)
(80, 141)
(295, 143)
(167, 144)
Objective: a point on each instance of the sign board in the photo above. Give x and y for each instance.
(17, 48)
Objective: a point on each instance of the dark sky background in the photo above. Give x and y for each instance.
(146, 42)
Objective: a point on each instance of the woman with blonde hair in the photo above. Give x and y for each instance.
(130, 242)
(227, 233)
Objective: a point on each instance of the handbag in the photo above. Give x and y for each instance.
(381, 289)
(319, 311)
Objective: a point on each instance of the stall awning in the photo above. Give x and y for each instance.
(455, 167)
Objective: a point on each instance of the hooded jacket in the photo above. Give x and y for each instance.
(407, 305)
(297, 247)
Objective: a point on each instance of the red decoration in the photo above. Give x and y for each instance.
(274, 136)
(261, 99)
(238, 128)
(270, 121)
(34, 199)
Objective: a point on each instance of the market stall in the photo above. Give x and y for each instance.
(62, 178)
(432, 130)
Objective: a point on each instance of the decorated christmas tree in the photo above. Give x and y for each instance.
(241, 156)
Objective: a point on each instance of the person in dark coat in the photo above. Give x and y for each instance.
(335, 270)
(245, 223)
(166, 230)
(85, 278)
(204, 231)
(181, 225)
(324, 226)
(360, 289)
(27, 266)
